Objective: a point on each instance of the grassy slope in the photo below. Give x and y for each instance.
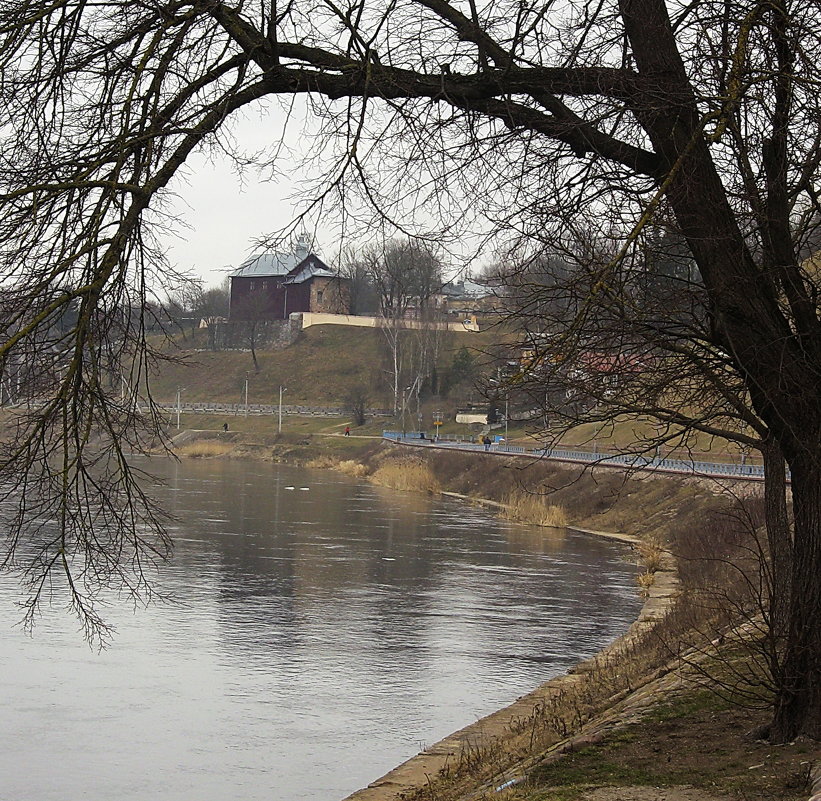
(327, 362)
(690, 738)
(320, 368)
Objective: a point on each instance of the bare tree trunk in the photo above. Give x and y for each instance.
(392, 331)
(779, 541)
(798, 699)
(252, 332)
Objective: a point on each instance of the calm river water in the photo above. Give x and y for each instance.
(323, 630)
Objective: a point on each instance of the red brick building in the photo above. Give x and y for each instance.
(271, 286)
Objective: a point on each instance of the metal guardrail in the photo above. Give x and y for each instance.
(628, 461)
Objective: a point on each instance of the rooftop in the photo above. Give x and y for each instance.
(278, 263)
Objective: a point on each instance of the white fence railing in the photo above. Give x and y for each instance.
(266, 408)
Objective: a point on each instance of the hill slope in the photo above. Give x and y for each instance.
(322, 367)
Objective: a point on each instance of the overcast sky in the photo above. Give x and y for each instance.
(222, 213)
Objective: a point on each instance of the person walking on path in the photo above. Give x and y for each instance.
(486, 442)
(347, 431)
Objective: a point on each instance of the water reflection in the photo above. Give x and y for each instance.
(319, 637)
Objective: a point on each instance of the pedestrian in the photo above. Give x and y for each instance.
(225, 426)
(347, 431)
(486, 441)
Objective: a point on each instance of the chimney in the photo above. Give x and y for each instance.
(302, 249)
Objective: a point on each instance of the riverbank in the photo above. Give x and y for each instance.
(500, 749)
(635, 723)
(601, 499)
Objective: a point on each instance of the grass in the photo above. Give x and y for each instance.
(327, 362)
(587, 767)
(624, 434)
(268, 425)
(321, 368)
(693, 738)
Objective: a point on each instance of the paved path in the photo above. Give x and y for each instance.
(735, 471)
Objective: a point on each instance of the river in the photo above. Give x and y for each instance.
(321, 630)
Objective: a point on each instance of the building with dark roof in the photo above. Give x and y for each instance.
(465, 296)
(271, 286)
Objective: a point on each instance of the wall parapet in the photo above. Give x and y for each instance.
(323, 318)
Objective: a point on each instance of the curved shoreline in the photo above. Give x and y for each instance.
(497, 732)
(493, 729)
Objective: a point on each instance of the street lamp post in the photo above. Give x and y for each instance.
(404, 406)
(246, 394)
(281, 390)
(179, 393)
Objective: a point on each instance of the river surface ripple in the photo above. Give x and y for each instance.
(322, 631)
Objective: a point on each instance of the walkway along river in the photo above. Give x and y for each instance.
(322, 630)
(743, 471)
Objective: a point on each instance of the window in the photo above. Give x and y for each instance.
(251, 286)
(319, 295)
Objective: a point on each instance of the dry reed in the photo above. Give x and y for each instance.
(527, 507)
(322, 463)
(408, 476)
(645, 581)
(204, 449)
(350, 467)
(651, 551)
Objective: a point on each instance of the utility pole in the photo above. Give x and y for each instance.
(507, 415)
(281, 390)
(179, 393)
(246, 394)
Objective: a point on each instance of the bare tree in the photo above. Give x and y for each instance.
(182, 304)
(362, 297)
(406, 274)
(212, 307)
(357, 401)
(251, 314)
(644, 358)
(497, 114)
